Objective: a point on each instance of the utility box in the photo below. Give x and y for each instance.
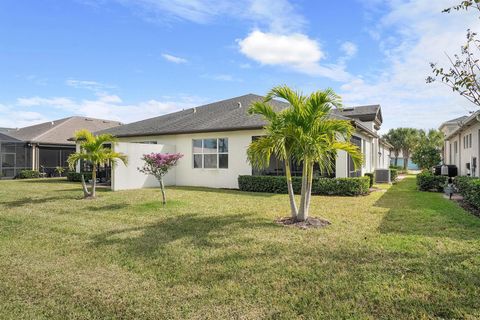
(382, 176)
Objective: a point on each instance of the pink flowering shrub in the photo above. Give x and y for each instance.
(158, 164)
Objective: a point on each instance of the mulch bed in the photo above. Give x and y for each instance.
(462, 203)
(311, 222)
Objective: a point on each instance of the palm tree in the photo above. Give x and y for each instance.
(93, 151)
(304, 133)
(409, 138)
(394, 137)
(277, 142)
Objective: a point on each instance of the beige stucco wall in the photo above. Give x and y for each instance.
(464, 155)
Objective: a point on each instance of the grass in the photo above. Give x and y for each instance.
(212, 254)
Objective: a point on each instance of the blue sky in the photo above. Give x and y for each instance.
(132, 59)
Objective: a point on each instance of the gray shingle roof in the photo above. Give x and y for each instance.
(5, 130)
(59, 131)
(7, 138)
(226, 115)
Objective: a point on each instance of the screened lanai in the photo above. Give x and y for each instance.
(15, 155)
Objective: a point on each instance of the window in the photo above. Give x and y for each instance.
(350, 166)
(470, 140)
(210, 153)
(450, 154)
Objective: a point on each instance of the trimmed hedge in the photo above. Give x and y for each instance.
(469, 188)
(393, 174)
(321, 186)
(427, 181)
(28, 174)
(371, 176)
(77, 176)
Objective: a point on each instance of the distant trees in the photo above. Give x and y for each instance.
(423, 147)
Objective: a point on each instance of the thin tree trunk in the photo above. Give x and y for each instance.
(406, 155)
(162, 187)
(301, 210)
(94, 181)
(86, 194)
(309, 191)
(396, 160)
(291, 195)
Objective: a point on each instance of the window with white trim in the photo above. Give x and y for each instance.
(210, 153)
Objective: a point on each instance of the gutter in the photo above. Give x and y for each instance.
(475, 117)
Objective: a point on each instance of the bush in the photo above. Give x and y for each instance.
(321, 186)
(28, 174)
(371, 176)
(469, 188)
(427, 181)
(393, 174)
(77, 176)
(395, 167)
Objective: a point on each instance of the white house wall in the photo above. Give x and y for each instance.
(128, 177)
(464, 155)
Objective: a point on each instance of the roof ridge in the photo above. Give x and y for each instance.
(54, 127)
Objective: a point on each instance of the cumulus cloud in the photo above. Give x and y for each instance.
(349, 49)
(295, 51)
(173, 59)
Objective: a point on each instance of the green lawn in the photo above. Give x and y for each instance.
(217, 254)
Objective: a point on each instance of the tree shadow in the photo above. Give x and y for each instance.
(226, 191)
(29, 200)
(108, 207)
(412, 212)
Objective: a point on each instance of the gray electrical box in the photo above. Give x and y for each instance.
(382, 176)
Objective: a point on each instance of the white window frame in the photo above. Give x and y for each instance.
(203, 153)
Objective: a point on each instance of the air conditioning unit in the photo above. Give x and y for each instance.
(382, 176)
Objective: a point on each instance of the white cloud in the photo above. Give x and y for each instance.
(173, 59)
(104, 106)
(349, 49)
(412, 34)
(295, 51)
(88, 85)
(222, 77)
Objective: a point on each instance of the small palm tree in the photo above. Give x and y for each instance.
(93, 151)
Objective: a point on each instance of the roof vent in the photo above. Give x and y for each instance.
(348, 109)
(52, 123)
(239, 104)
(194, 110)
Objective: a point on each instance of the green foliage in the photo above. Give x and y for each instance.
(404, 140)
(320, 186)
(427, 181)
(393, 174)
(426, 156)
(371, 176)
(77, 176)
(469, 188)
(28, 174)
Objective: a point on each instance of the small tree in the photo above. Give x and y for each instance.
(157, 165)
(426, 156)
(60, 170)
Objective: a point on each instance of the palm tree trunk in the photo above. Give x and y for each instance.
(301, 210)
(86, 194)
(162, 187)
(291, 195)
(406, 155)
(94, 181)
(309, 190)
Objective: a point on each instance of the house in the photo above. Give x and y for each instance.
(214, 139)
(43, 146)
(462, 144)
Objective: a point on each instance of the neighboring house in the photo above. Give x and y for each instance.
(43, 146)
(214, 139)
(462, 144)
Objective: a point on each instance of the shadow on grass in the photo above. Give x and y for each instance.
(108, 207)
(45, 180)
(227, 191)
(29, 200)
(412, 212)
(196, 230)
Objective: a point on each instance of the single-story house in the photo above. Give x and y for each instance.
(214, 138)
(462, 144)
(43, 146)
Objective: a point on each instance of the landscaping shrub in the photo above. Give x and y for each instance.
(321, 186)
(77, 176)
(427, 181)
(28, 174)
(469, 188)
(393, 174)
(371, 176)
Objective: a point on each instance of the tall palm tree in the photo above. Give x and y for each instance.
(277, 142)
(93, 151)
(394, 137)
(409, 138)
(304, 133)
